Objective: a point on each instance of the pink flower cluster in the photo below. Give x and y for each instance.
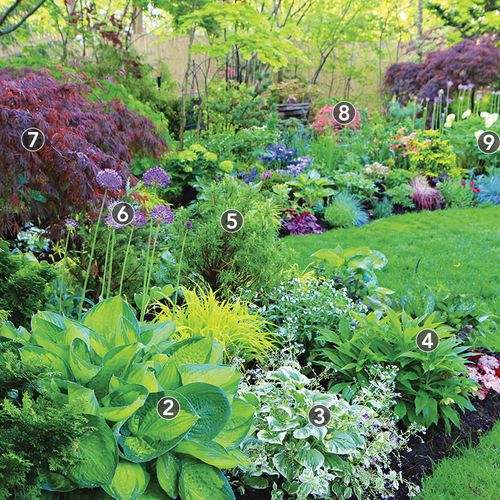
(324, 121)
(403, 144)
(487, 374)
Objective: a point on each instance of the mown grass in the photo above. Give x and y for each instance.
(457, 250)
(473, 474)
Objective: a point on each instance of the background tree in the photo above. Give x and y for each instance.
(16, 13)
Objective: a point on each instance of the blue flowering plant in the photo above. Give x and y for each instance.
(285, 160)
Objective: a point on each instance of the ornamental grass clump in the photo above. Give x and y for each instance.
(244, 334)
(345, 211)
(425, 197)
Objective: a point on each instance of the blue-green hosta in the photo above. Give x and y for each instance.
(115, 370)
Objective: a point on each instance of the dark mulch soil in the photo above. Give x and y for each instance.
(433, 446)
(436, 444)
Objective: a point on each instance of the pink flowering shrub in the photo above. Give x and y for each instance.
(487, 374)
(324, 121)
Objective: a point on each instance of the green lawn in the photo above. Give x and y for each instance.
(474, 474)
(457, 249)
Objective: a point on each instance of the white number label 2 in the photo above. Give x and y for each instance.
(168, 408)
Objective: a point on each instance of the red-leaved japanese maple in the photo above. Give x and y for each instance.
(84, 135)
(475, 61)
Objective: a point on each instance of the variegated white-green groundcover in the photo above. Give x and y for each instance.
(114, 370)
(350, 456)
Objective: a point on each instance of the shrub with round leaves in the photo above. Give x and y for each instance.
(114, 370)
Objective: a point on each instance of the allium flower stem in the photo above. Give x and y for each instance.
(122, 277)
(63, 266)
(146, 267)
(112, 252)
(105, 271)
(153, 254)
(91, 257)
(179, 267)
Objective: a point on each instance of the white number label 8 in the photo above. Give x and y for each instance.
(344, 112)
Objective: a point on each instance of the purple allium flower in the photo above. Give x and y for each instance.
(109, 179)
(461, 87)
(188, 224)
(71, 223)
(110, 222)
(470, 86)
(449, 83)
(479, 96)
(140, 219)
(448, 100)
(162, 214)
(156, 177)
(440, 92)
(266, 174)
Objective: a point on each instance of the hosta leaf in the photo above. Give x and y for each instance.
(116, 362)
(341, 443)
(238, 426)
(310, 430)
(146, 435)
(193, 350)
(80, 362)
(168, 469)
(98, 455)
(38, 356)
(208, 452)
(310, 458)
(201, 481)
(144, 374)
(168, 377)
(155, 333)
(123, 402)
(82, 398)
(210, 405)
(129, 482)
(115, 321)
(332, 258)
(225, 377)
(284, 465)
(20, 335)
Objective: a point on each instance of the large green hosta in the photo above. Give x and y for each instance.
(115, 370)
